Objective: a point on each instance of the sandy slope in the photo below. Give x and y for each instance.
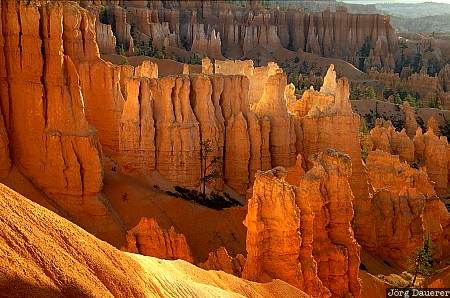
(205, 229)
(44, 255)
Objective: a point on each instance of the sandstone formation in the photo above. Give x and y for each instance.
(384, 137)
(273, 104)
(105, 38)
(432, 152)
(318, 253)
(436, 220)
(163, 120)
(372, 287)
(207, 43)
(403, 209)
(148, 239)
(55, 147)
(147, 124)
(439, 280)
(55, 258)
(410, 119)
(220, 260)
(220, 28)
(427, 150)
(327, 121)
(273, 251)
(433, 124)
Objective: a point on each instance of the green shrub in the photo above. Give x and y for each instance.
(434, 103)
(124, 61)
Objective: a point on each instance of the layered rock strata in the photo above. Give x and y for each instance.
(148, 239)
(218, 28)
(404, 208)
(327, 121)
(221, 260)
(318, 212)
(55, 147)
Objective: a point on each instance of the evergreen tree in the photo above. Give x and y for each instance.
(421, 261)
(364, 53)
(209, 167)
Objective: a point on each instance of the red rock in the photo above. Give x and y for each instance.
(148, 239)
(436, 220)
(275, 246)
(55, 147)
(410, 119)
(384, 137)
(392, 224)
(53, 257)
(327, 121)
(220, 260)
(319, 232)
(431, 152)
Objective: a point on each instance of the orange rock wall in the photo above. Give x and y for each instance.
(209, 28)
(425, 149)
(54, 146)
(148, 239)
(403, 209)
(318, 253)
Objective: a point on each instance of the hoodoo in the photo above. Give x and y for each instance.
(223, 148)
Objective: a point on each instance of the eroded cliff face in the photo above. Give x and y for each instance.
(318, 252)
(148, 239)
(327, 121)
(53, 145)
(384, 137)
(276, 248)
(218, 28)
(425, 150)
(404, 208)
(221, 260)
(157, 124)
(143, 122)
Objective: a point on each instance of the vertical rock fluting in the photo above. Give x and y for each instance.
(105, 38)
(431, 151)
(326, 187)
(317, 252)
(54, 147)
(220, 260)
(274, 235)
(211, 127)
(177, 131)
(234, 103)
(273, 105)
(241, 32)
(327, 121)
(137, 127)
(148, 239)
(404, 209)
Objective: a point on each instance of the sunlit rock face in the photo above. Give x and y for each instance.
(147, 238)
(327, 121)
(221, 260)
(219, 29)
(318, 212)
(404, 208)
(42, 105)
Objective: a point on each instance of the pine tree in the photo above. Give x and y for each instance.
(421, 261)
(209, 167)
